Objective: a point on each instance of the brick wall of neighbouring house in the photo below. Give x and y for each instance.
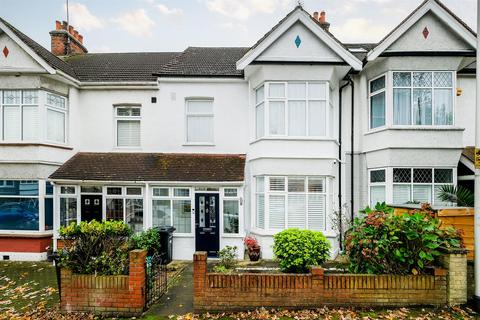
(219, 292)
(122, 295)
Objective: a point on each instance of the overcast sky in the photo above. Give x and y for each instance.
(172, 25)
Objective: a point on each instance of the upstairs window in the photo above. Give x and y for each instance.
(56, 118)
(295, 109)
(199, 115)
(377, 102)
(128, 126)
(20, 112)
(423, 98)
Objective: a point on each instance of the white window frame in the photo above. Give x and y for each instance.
(374, 93)
(376, 184)
(171, 197)
(432, 88)
(75, 195)
(118, 118)
(224, 197)
(202, 115)
(285, 99)
(54, 108)
(124, 196)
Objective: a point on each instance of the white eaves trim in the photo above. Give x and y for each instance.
(300, 15)
(27, 49)
(435, 8)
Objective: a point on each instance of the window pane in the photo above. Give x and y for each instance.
(134, 214)
(402, 175)
(260, 184)
(443, 106)
(260, 120)
(422, 175)
(134, 191)
(422, 106)
(67, 190)
(260, 205)
(128, 133)
(55, 100)
(114, 209)
(48, 213)
(18, 214)
(377, 195)
(200, 107)
(401, 194)
(316, 211)
(316, 185)
(181, 192)
(437, 200)
(182, 215)
(230, 192)
(11, 123)
(297, 118)
(317, 118)
(55, 126)
(276, 213)
(402, 79)
(443, 175)
(317, 91)
(31, 123)
(68, 211)
(422, 194)
(18, 188)
(377, 84)
(442, 79)
(114, 190)
(297, 209)
(30, 97)
(377, 176)
(422, 79)
(297, 90)
(402, 106)
(276, 90)
(230, 216)
(12, 97)
(161, 213)
(91, 189)
(160, 192)
(277, 118)
(277, 184)
(48, 188)
(296, 184)
(200, 129)
(128, 112)
(260, 94)
(377, 111)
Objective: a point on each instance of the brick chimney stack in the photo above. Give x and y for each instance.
(65, 40)
(321, 19)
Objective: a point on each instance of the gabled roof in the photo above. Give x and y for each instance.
(171, 167)
(299, 14)
(204, 62)
(135, 66)
(42, 53)
(441, 11)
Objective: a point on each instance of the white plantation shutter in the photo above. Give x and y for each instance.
(260, 211)
(11, 123)
(128, 133)
(401, 194)
(422, 193)
(277, 184)
(377, 194)
(31, 123)
(200, 129)
(316, 211)
(277, 212)
(297, 205)
(55, 126)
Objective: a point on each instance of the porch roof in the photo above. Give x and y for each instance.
(171, 167)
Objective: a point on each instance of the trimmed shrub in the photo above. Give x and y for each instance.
(96, 247)
(382, 242)
(148, 240)
(228, 259)
(297, 250)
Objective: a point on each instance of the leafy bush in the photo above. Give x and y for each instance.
(298, 249)
(228, 259)
(148, 240)
(96, 247)
(382, 242)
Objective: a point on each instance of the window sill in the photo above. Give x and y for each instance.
(260, 232)
(35, 144)
(25, 234)
(183, 235)
(283, 138)
(231, 235)
(415, 128)
(127, 148)
(199, 144)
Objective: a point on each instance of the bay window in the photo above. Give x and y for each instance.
(19, 205)
(291, 202)
(199, 120)
(125, 204)
(56, 118)
(172, 207)
(127, 121)
(377, 183)
(295, 109)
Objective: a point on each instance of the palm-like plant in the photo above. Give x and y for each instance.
(460, 195)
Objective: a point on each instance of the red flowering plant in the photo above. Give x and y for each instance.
(382, 242)
(425, 208)
(250, 242)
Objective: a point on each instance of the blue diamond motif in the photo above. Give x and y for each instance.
(298, 41)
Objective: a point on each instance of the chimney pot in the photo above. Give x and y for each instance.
(75, 34)
(322, 17)
(70, 30)
(58, 25)
(67, 43)
(64, 25)
(315, 15)
(80, 38)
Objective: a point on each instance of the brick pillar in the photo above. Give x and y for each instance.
(456, 263)
(199, 278)
(318, 274)
(136, 279)
(66, 290)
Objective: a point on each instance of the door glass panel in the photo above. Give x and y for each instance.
(212, 212)
(201, 205)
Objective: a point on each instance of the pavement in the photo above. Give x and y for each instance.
(179, 298)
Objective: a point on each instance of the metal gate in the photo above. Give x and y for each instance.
(155, 279)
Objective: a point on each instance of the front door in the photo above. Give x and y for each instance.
(91, 207)
(207, 233)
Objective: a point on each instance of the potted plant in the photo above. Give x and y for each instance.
(253, 249)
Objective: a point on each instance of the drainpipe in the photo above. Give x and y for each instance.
(352, 140)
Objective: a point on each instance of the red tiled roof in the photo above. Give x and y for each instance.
(152, 167)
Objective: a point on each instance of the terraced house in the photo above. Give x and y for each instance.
(224, 141)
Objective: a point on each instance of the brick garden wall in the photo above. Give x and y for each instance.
(221, 292)
(108, 295)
